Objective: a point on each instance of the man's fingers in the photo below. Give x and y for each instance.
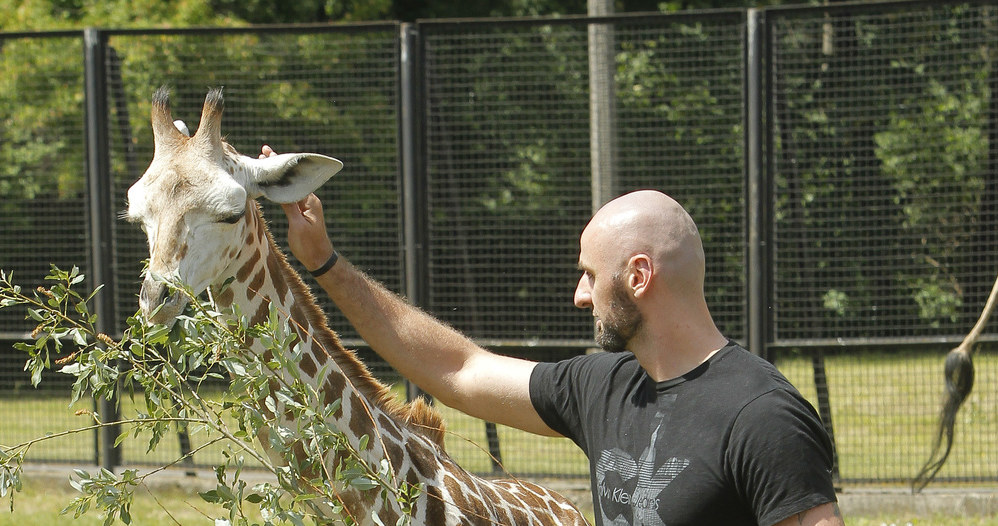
(291, 209)
(308, 209)
(311, 207)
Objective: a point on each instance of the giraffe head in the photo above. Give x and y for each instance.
(192, 202)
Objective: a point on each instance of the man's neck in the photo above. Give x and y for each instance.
(672, 358)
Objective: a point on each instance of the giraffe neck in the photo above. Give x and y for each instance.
(408, 437)
(263, 278)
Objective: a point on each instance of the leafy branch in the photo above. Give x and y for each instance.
(167, 367)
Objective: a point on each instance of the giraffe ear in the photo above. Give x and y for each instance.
(289, 177)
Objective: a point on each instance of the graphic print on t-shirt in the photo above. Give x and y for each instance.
(629, 490)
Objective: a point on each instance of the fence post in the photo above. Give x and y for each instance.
(602, 105)
(414, 196)
(757, 189)
(101, 213)
(414, 210)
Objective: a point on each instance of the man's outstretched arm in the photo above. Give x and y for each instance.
(439, 359)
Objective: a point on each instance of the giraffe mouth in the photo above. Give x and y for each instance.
(160, 302)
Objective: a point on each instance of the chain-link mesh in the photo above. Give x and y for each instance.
(43, 210)
(43, 218)
(507, 153)
(681, 131)
(882, 130)
(508, 149)
(885, 227)
(885, 185)
(330, 92)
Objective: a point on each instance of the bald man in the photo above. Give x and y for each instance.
(681, 425)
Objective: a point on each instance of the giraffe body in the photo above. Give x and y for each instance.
(196, 203)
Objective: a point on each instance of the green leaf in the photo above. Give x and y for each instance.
(78, 337)
(363, 483)
(210, 496)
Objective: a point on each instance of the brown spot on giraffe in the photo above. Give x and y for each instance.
(257, 282)
(260, 316)
(243, 273)
(277, 278)
(388, 515)
(360, 418)
(435, 506)
(395, 453)
(308, 366)
(299, 320)
(456, 493)
(333, 391)
(225, 298)
(424, 460)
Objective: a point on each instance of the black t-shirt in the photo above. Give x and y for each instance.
(731, 442)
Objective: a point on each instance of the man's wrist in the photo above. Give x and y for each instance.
(330, 262)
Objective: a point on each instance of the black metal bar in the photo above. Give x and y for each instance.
(495, 451)
(116, 94)
(602, 112)
(12, 35)
(766, 194)
(100, 215)
(874, 342)
(413, 170)
(825, 406)
(650, 17)
(359, 27)
(756, 204)
(184, 438)
(865, 6)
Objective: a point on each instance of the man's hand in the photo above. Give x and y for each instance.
(307, 236)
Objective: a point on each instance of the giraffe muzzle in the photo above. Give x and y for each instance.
(157, 302)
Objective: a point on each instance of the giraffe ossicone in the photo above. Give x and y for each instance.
(197, 205)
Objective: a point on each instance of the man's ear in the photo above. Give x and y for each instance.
(289, 177)
(639, 273)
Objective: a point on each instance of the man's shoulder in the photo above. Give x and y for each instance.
(590, 371)
(748, 373)
(601, 362)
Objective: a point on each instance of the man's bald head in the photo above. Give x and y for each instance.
(649, 222)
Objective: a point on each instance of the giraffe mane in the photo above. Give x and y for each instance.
(417, 416)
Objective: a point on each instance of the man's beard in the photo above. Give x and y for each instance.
(622, 320)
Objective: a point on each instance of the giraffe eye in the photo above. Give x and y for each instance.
(233, 219)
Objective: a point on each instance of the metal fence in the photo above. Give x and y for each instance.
(840, 162)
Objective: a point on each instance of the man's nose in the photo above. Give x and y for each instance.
(583, 294)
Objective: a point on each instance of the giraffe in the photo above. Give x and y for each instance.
(197, 205)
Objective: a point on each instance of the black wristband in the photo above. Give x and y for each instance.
(333, 258)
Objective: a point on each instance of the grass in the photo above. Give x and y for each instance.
(42, 500)
(884, 408)
(937, 520)
(177, 503)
